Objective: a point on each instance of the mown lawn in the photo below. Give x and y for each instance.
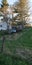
(23, 41)
(10, 60)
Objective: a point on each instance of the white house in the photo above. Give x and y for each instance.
(3, 26)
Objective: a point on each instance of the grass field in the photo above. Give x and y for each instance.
(17, 48)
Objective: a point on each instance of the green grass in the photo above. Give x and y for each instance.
(24, 41)
(11, 60)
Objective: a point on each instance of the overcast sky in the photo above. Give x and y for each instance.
(10, 1)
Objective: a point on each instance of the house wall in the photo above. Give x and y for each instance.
(3, 26)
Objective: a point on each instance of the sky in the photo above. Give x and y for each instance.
(10, 1)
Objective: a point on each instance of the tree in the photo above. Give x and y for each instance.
(4, 2)
(3, 9)
(22, 8)
(4, 6)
